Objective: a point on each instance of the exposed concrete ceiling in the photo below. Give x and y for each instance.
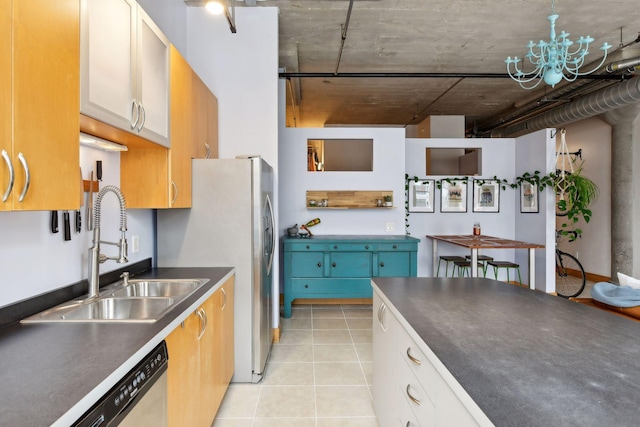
(422, 36)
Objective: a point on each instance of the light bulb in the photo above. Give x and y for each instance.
(214, 7)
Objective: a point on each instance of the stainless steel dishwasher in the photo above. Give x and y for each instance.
(137, 400)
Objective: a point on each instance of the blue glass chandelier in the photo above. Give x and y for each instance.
(553, 60)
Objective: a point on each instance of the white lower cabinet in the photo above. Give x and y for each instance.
(408, 390)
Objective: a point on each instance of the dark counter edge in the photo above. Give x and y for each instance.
(15, 312)
(153, 333)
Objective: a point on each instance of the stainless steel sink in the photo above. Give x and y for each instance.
(139, 301)
(158, 288)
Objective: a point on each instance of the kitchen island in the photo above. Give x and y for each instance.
(53, 373)
(505, 355)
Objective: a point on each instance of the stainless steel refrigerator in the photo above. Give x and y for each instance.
(230, 224)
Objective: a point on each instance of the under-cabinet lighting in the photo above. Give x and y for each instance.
(102, 144)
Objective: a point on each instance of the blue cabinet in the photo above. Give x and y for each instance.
(342, 266)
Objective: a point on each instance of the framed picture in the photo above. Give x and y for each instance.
(421, 195)
(486, 196)
(453, 196)
(528, 198)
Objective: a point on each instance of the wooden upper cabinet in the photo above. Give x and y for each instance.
(124, 69)
(39, 120)
(182, 131)
(205, 105)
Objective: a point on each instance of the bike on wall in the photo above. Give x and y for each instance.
(570, 277)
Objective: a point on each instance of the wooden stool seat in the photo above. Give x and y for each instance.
(504, 264)
(447, 259)
(464, 266)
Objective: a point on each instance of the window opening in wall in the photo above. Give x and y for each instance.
(340, 155)
(453, 161)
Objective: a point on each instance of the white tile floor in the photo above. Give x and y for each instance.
(318, 375)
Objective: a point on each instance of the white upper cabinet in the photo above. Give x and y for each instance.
(124, 69)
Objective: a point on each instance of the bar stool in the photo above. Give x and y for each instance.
(447, 259)
(464, 267)
(482, 259)
(506, 265)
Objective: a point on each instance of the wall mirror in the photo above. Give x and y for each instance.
(453, 161)
(339, 155)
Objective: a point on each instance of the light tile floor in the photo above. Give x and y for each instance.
(318, 375)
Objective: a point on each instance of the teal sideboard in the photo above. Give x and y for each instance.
(342, 266)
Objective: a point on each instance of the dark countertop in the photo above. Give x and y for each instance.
(525, 357)
(53, 373)
(355, 237)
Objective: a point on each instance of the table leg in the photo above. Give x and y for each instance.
(474, 262)
(435, 258)
(532, 268)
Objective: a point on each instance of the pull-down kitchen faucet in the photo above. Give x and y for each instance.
(95, 258)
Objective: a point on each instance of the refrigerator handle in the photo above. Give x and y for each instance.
(273, 235)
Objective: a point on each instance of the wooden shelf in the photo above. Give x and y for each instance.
(357, 199)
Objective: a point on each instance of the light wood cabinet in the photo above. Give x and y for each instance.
(39, 75)
(124, 69)
(201, 361)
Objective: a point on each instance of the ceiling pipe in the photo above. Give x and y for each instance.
(618, 96)
(430, 75)
(629, 64)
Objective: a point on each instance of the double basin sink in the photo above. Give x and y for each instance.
(137, 301)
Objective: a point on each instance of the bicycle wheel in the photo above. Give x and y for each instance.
(570, 278)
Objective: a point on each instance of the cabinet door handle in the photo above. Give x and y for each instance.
(143, 114)
(307, 247)
(207, 153)
(134, 109)
(366, 247)
(319, 265)
(12, 175)
(381, 311)
(200, 314)
(412, 358)
(333, 264)
(175, 192)
(306, 286)
(413, 399)
(395, 246)
(335, 247)
(27, 176)
(382, 264)
(224, 299)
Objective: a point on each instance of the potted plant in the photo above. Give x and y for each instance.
(388, 200)
(574, 194)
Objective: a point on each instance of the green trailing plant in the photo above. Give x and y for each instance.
(574, 195)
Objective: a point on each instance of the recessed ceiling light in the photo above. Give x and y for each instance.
(214, 7)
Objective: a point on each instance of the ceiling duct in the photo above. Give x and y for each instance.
(618, 96)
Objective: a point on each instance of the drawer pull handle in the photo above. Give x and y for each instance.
(408, 424)
(395, 246)
(335, 247)
(413, 359)
(306, 286)
(319, 264)
(382, 264)
(413, 399)
(333, 265)
(307, 246)
(366, 247)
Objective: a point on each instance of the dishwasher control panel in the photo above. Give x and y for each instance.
(123, 396)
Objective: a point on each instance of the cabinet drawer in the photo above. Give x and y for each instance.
(305, 246)
(340, 288)
(417, 362)
(307, 264)
(397, 247)
(350, 264)
(393, 264)
(415, 396)
(352, 247)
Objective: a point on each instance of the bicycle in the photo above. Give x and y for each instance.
(570, 277)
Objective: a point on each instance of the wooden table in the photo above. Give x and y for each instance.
(486, 242)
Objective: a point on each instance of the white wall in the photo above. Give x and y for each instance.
(34, 261)
(387, 174)
(593, 250)
(171, 17)
(536, 152)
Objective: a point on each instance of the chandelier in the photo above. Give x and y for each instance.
(553, 60)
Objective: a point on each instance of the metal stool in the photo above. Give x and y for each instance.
(448, 259)
(465, 266)
(482, 259)
(504, 264)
